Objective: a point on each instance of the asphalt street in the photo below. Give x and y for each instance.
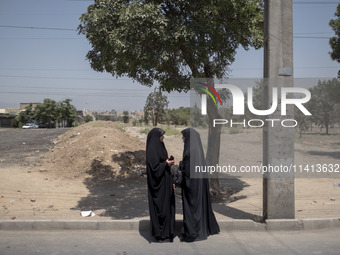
(133, 242)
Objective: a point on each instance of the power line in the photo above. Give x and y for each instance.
(74, 88)
(43, 28)
(312, 33)
(298, 35)
(310, 2)
(87, 94)
(311, 67)
(59, 78)
(41, 38)
(43, 69)
(72, 94)
(312, 37)
(87, 70)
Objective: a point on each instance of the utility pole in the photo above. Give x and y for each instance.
(278, 141)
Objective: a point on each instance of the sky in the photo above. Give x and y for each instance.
(38, 63)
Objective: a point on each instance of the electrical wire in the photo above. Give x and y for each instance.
(43, 28)
(310, 2)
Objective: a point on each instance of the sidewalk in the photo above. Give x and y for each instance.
(143, 225)
(135, 242)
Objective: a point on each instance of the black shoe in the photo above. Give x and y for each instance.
(187, 239)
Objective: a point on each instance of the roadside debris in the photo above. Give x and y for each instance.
(87, 214)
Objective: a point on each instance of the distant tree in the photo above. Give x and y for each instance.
(88, 118)
(303, 121)
(334, 41)
(66, 113)
(322, 103)
(105, 117)
(258, 100)
(47, 112)
(196, 118)
(16, 122)
(126, 117)
(180, 116)
(27, 115)
(156, 106)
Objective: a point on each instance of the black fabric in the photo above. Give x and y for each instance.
(160, 190)
(198, 217)
(177, 177)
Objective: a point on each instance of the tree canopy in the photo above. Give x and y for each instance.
(334, 42)
(170, 41)
(322, 103)
(49, 112)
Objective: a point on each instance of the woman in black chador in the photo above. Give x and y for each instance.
(160, 188)
(198, 217)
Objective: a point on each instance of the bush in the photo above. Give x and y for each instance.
(88, 118)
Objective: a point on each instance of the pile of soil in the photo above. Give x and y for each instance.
(101, 149)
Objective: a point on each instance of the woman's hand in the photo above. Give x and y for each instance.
(170, 162)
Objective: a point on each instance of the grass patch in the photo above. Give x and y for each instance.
(144, 131)
(171, 131)
(121, 128)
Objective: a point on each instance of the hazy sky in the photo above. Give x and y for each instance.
(38, 63)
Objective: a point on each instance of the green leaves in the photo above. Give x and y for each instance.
(334, 42)
(155, 107)
(51, 112)
(323, 101)
(170, 41)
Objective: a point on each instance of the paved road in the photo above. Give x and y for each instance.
(21, 146)
(132, 242)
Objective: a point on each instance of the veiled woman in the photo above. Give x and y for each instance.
(160, 188)
(198, 217)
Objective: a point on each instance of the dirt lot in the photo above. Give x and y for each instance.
(57, 173)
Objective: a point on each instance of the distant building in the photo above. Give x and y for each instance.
(6, 119)
(12, 110)
(82, 113)
(24, 105)
(8, 114)
(112, 114)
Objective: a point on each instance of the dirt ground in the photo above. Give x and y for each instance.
(99, 166)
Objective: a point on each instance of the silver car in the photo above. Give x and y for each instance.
(29, 125)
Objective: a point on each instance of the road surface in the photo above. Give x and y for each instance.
(132, 242)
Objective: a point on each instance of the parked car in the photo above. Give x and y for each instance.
(29, 125)
(40, 125)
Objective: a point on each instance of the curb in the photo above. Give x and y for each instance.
(143, 225)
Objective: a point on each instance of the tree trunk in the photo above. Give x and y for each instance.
(214, 133)
(214, 143)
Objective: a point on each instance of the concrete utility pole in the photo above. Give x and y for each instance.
(278, 141)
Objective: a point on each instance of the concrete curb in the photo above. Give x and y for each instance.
(143, 225)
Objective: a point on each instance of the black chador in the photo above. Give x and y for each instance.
(160, 189)
(198, 217)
